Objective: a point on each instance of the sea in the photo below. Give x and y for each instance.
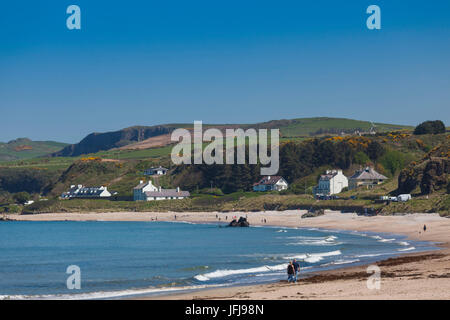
(111, 260)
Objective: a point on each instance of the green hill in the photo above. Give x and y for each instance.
(24, 148)
(293, 128)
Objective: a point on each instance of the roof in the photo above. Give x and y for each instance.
(140, 186)
(158, 168)
(269, 180)
(368, 174)
(86, 191)
(327, 176)
(167, 193)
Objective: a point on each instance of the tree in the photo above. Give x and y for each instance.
(393, 161)
(361, 158)
(375, 150)
(21, 197)
(430, 127)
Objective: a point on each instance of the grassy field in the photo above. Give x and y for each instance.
(24, 148)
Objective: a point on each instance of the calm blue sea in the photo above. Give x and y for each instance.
(132, 258)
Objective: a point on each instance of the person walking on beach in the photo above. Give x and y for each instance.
(296, 266)
(424, 227)
(291, 272)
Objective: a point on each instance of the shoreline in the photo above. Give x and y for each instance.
(408, 276)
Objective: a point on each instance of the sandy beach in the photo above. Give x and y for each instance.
(414, 276)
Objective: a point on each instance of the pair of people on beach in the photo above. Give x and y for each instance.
(293, 270)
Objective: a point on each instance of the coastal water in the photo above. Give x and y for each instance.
(132, 258)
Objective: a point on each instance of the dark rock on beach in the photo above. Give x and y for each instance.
(242, 222)
(313, 213)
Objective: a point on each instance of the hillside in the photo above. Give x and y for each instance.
(301, 162)
(96, 142)
(24, 148)
(142, 137)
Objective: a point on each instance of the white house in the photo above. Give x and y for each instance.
(146, 191)
(271, 183)
(78, 191)
(332, 182)
(158, 171)
(140, 190)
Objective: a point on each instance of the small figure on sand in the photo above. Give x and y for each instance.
(424, 227)
(291, 272)
(296, 269)
(175, 216)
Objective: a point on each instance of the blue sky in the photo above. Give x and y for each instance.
(153, 62)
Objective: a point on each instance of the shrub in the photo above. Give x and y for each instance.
(21, 197)
(430, 127)
(393, 161)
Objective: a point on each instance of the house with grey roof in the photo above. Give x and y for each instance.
(80, 191)
(366, 177)
(140, 190)
(270, 183)
(146, 191)
(156, 171)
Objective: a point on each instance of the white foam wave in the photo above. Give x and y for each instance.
(342, 261)
(386, 240)
(227, 272)
(407, 249)
(105, 294)
(311, 258)
(315, 241)
(370, 255)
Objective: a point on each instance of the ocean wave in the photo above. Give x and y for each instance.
(320, 254)
(341, 261)
(407, 249)
(310, 258)
(229, 272)
(403, 243)
(386, 240)
(315, 242)
(371, 255)
(106, 294)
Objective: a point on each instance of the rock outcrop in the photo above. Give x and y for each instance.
(430, 174)
(242, 222)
